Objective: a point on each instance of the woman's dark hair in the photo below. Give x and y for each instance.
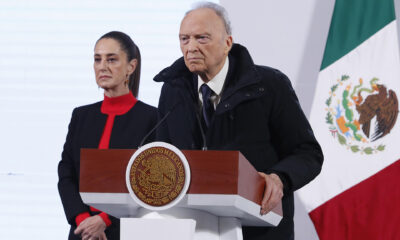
(132, 51)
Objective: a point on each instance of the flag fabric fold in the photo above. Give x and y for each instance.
(355, 118)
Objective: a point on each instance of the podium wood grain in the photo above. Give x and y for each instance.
(212, 172)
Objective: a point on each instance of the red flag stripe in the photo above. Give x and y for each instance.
(368, 210)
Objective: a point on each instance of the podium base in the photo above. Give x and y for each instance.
(180, 223)
(156, 229)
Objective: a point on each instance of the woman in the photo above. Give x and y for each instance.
(119, 121)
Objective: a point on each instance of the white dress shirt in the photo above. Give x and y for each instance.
(216, 84)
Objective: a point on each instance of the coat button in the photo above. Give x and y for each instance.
(247, 94)
(261, 89)
(227, 105)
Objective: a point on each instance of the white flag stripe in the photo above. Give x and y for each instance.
(376, 57)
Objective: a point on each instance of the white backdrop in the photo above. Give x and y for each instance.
(46, 56)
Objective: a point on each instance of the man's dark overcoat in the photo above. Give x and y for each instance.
(258, 114)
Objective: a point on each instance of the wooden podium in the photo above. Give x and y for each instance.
(223, 184)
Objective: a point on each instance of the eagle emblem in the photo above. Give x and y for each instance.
(359, 114)
(157, 176)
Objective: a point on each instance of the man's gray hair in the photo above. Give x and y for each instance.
(218, 9)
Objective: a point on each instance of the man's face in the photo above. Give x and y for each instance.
(204, 42)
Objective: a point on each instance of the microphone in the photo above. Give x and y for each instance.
(158, 124)
(203, 135)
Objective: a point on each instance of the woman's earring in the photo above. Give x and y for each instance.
(127, 80)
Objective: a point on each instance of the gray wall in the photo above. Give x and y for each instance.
(288, 35)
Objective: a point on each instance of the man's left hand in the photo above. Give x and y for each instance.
(273, 192)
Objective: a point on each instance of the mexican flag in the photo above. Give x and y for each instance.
(355, 118)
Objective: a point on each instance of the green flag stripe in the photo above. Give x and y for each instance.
(353, 22)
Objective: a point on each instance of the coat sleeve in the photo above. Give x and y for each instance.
(68, 183)
(300, 155)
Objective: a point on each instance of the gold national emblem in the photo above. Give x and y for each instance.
(157, 176)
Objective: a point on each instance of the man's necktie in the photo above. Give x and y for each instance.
(208, 106)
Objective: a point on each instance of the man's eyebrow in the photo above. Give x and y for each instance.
(202, 34)
(198, 34)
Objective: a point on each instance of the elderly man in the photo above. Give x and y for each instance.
(217, 98)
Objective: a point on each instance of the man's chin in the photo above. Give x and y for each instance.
(195, 68)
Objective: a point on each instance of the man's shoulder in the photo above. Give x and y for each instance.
(170, 74)
(272, 77)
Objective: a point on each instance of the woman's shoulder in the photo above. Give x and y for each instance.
(87, 108)
(145, 106)
(145, 109)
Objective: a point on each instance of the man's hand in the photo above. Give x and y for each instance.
(273, 192)
(92, 228)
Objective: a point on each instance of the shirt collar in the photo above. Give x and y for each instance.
(217, 83)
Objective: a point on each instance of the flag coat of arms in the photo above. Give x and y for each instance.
(355, 118)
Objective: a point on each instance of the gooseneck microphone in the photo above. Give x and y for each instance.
(158, 124)
(203, 135)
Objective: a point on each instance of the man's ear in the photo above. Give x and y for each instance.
(228, 44)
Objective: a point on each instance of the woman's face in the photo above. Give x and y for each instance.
(111, 67)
